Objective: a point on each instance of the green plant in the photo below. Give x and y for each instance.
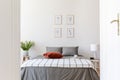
(26, 45)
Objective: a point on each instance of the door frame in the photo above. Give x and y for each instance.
(15, 23)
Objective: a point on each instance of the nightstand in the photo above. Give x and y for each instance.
(96, 63)
(25, 58)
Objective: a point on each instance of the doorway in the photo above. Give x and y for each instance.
(38, 22)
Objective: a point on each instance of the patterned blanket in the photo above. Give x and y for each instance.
(64, 63)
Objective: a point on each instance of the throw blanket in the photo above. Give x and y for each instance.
(67, 68)
(63, 63)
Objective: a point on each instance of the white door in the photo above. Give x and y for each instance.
(9, 40)
(110, 41)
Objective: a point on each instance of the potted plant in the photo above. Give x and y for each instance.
(25, 46)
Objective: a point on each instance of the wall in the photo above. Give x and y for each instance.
(37, 23)
(9, 40)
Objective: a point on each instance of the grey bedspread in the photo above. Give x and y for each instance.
(56, 73)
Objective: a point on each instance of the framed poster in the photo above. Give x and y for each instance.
(58, 32)
(70, 20)
(70, 32)
(58, 20)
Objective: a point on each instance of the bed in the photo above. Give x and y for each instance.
(66, 68)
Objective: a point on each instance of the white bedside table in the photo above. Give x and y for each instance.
(96, 63)
(25, 58)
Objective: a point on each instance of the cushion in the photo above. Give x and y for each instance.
(70, 51)
(52, 55)
(54, 49)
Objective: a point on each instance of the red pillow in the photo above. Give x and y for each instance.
(52, 55)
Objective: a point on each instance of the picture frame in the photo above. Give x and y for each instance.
(70, 20)
(70, 32)
(58, 32)
(58, 20)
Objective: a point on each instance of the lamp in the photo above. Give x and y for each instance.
(93, 48)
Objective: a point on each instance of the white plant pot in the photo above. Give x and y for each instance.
(25, 53)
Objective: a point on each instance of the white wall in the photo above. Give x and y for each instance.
(9, 40)
(37, 23)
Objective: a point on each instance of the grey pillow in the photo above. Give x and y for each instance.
(54, 49)
(70, 51)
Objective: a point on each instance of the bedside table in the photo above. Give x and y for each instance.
(96, 63)
(25, 58)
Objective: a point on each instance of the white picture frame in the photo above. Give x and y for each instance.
(58, 20)
(58, 32)
(70, 32)
(70, 20)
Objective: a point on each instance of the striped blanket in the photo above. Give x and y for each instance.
(64, 63)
